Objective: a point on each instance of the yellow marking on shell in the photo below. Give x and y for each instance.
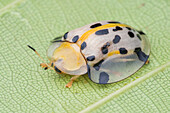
(91, 31)
(118, 52)
(113, 52)
(72, 59)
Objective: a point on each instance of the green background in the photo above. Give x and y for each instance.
(26, 87)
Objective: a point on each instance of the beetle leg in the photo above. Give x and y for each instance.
(68, 85)
(45, 66)
(147, 62)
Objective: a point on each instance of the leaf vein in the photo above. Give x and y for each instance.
(125, 88)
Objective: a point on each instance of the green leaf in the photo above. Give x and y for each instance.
(26, 87)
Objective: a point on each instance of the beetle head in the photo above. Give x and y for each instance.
(67, 57)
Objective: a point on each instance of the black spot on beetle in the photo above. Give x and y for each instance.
(95, 25)
(137, 49)
(131, 34)
(65, 35)
(139, 37)
(116, 39)
(128, 28)
(114, 22)
(98, 65)
(123, 51)
(52, 64)
(91, 58)
(105, 48)
(141, 33)
(88, 71)
(57, 39)
(117, 28)
(103, 78)
(102, 32)
(141, 55)
(57, 70)
(107, 44)
(75, 38)
(83, 45)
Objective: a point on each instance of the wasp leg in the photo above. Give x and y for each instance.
(68, 85)
(147, 62)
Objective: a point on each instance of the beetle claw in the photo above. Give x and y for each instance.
(45, 68)
(43, 65)
(147, 62)
(68, 85)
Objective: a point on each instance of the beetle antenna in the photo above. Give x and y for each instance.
(38, 55)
